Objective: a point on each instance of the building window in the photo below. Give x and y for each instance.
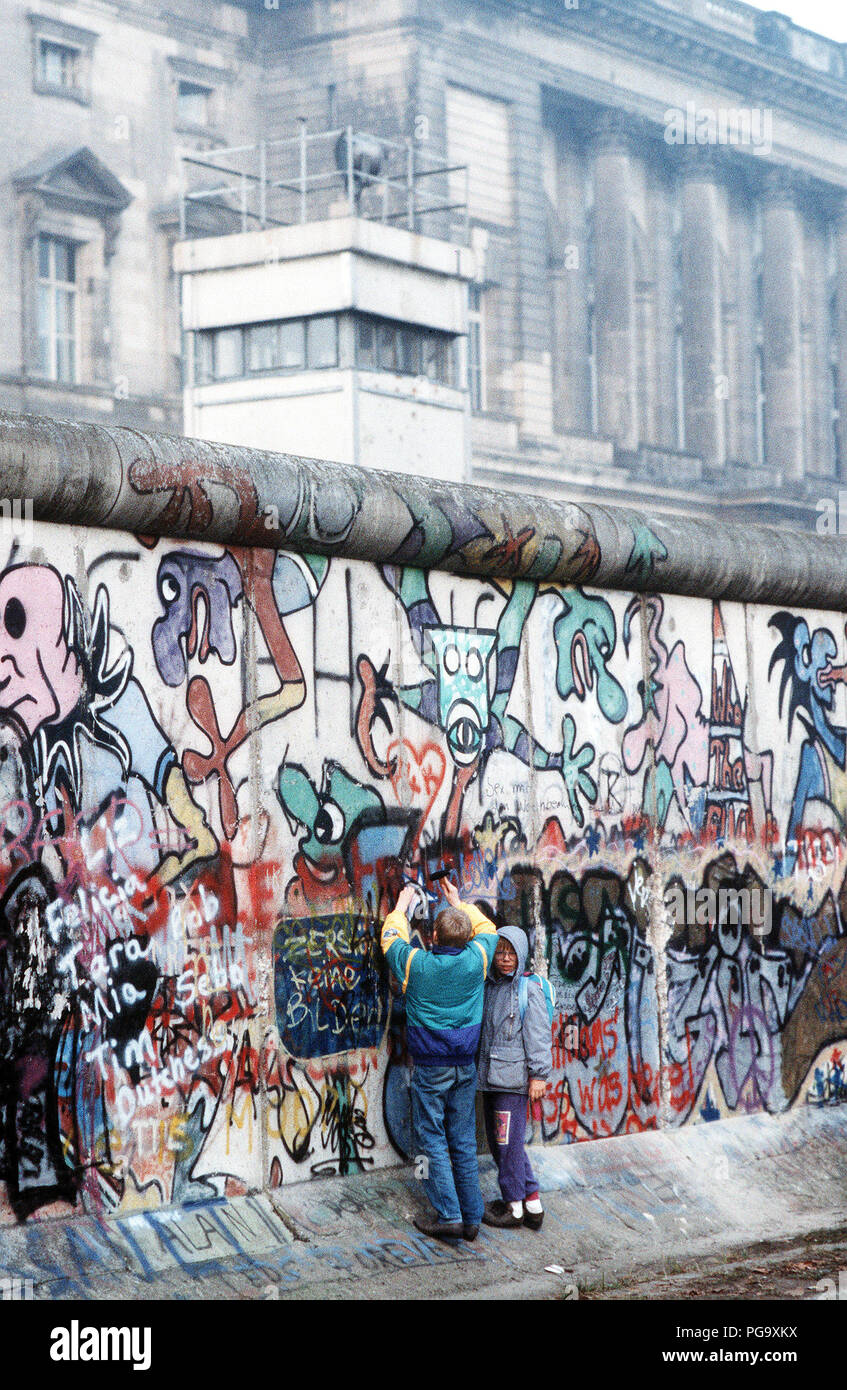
(322, 341)
(263, 347)
(61, 58)
(366, 353)
(410, 346)
(229, 353)
(58, 65)
(193, 104)
(291, 345)
(476, 350)
(199, 95)
(388, 347)
(405, 349)
(57, 309)
(437, 357)
(312, 344)
(479, 151)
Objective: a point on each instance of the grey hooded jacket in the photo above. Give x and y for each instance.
(511, 1053)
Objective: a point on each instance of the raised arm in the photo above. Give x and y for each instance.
(394, 937)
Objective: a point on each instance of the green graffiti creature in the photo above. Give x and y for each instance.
(463, 699)
(350, 840)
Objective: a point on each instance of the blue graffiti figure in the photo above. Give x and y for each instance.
(809, 678)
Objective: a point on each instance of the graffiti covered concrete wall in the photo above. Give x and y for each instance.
(218, 764)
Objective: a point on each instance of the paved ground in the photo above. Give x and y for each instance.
(649, 1216)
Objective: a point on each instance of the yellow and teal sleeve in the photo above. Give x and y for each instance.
(483, 931)
(394, 940)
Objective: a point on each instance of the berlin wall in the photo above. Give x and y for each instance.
(243, 696)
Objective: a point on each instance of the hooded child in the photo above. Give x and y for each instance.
(514, 1063)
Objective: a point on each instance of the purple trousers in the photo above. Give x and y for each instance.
(505, 1130)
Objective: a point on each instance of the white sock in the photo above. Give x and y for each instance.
(517, 1208)
(534, 1205)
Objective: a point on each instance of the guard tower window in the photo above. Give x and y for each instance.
(322, 341)
(289, 345)
(405, 349)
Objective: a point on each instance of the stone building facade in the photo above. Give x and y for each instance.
(99, 99)
(656, 197)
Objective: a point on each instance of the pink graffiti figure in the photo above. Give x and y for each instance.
(40, 677)
(60, 678)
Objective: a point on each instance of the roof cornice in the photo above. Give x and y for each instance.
(691, 47)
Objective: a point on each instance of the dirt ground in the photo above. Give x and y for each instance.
(777, 1270)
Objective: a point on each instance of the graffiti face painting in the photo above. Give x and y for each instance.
(463, 710)
(219, 765)
(40, 676)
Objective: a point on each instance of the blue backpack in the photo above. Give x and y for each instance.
(546, 989)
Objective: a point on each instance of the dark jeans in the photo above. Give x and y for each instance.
(505, 1129)
(444, 1125)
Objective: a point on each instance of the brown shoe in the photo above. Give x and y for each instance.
(500, 1213)
(440, 1230)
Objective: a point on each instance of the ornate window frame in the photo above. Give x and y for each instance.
(47, 31)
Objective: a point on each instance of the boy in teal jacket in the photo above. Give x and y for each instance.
(444, 991)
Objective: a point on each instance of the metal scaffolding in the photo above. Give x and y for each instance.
(319, 174)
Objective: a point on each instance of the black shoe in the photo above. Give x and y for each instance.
(532, 1219)
(441, 1230)
(500, 1213)
(469, 1232)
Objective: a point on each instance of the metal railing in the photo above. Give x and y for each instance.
(314, 175)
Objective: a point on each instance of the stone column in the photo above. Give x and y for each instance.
(817, 389)
(782, 291)
(569, 276)
(648, 367)
(704, 350)
(664, 313)
(742, 337)
(841, 328)
(614, 286)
